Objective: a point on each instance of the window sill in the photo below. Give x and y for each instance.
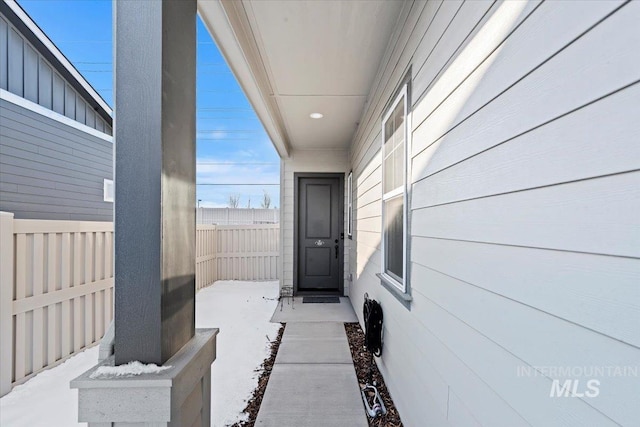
(404, 298)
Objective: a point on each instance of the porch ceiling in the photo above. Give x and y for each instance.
(294, 58)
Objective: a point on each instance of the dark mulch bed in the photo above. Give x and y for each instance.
(362, 363)
(253, 404)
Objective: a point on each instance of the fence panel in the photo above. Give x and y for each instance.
(248, 252)
(206, 266)
(62, 293)
(56, 283)
(237, 216)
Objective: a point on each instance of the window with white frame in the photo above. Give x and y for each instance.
(350, 205)
(394, 147)
(107, 190)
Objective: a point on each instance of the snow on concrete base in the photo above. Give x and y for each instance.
(130, 369)
(240, 309)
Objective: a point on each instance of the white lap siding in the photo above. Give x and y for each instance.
(524, 193)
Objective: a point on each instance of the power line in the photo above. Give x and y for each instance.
(239, 116)
(201, 91)
(236, 163)
(230, 130)
(226, 139)
(199, 72)
(83, 41)
(226, 110)
(204, 64)
(103, 41)
(236, 184)
(227, 118)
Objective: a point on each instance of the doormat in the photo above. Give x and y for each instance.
(320, 300)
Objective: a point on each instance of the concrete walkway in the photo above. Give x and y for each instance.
(294, 310)
(313, 382)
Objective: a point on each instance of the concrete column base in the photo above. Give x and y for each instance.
(177, 397)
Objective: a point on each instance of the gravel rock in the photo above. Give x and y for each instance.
(367, 372)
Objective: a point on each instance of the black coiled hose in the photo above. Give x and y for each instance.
(372, 312)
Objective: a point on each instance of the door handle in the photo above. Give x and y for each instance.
(337, 249)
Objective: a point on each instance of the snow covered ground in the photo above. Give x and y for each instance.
(240, 309)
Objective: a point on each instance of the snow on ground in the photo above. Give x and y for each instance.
(240, 309)
(46, 399)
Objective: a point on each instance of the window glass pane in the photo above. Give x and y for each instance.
(393, 231)
(388, 132)
(399, 120)
(398, 166)
(388, 174)
(393, 149)
(349, 204)
(388, 155)
(393, 155)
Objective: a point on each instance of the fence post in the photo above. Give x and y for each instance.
(215, 253)
(6, 301)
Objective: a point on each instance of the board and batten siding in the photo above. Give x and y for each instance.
(524, 195)
(50, 170)
(310, 161)
(26, 73)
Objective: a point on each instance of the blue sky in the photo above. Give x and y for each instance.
(232, 146)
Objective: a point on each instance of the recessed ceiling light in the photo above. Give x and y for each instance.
(316, 115)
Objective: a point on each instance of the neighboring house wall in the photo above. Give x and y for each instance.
(524, 188)
(26, 73)
(56, 148)
(305, 161)
(50, 169)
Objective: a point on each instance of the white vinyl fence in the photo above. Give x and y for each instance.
(56, 284)
(56, 292)
(206, 249)
(237, 216)
(247, 252)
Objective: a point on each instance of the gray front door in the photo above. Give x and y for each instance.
(320, 234)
